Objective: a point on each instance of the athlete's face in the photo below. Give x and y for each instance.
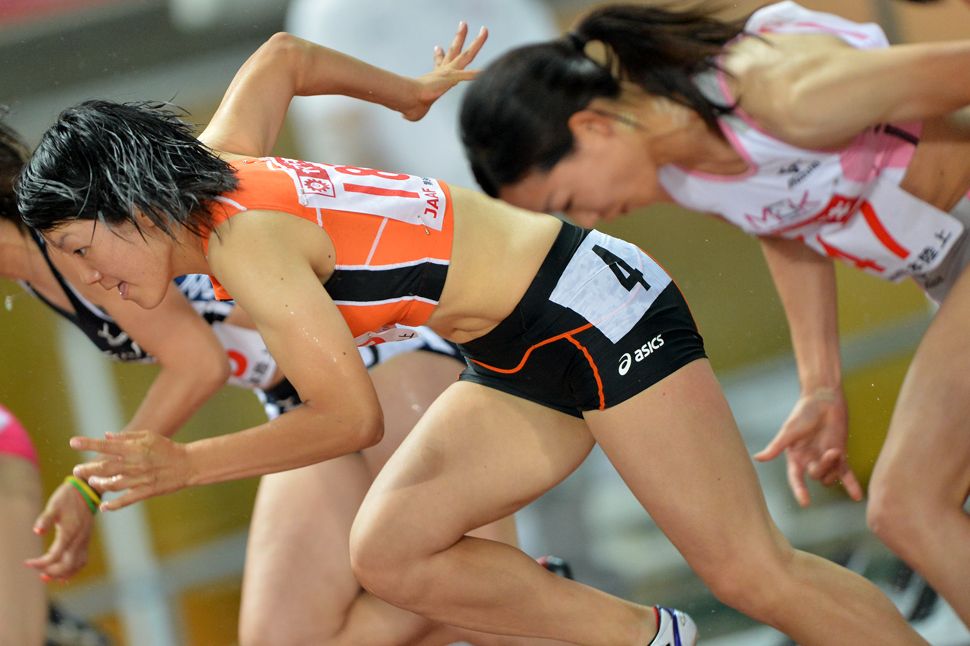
(607, 174)
(118, 258)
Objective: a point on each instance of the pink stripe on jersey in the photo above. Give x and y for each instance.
(814, 26)
(733, 138)
(14, 439)
(861, 164)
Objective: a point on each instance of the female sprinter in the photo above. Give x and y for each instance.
(325, 257)
(806, 130)
(307, 510)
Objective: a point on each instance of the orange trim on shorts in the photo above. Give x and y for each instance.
(565, 335)
(596, 372)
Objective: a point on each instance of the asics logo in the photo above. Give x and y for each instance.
(641, 353)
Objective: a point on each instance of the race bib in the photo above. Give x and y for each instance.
(610, 283)
(890, 233)
(407, 198)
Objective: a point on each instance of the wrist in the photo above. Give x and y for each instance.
(822, 391)
(85, 491)
(407, 100)
(194, 459)
(821, 378)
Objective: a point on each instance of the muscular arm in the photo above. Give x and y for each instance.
(806, 286)
(271, 263)
(814, 435)
(252, 111)
(817, 92)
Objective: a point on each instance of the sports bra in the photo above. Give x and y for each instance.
(845, 204)
(392, 235)
(251, 365)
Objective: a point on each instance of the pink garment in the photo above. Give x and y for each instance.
(14, 439)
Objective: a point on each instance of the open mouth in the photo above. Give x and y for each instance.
(123, 289)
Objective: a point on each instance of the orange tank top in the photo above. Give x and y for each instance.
(392, 234)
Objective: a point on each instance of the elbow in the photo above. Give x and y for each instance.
(284, 51)
(210, 369)
(282, 44)
(791, 103)
(213, 374)
(368, 429)
(794, 118)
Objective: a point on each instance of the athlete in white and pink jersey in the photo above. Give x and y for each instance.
(845, 203)
(813, 133)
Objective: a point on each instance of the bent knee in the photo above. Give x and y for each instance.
(898, 514)
(750, 581)
(388, 562)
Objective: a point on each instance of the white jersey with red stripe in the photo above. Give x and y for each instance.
(846, 204)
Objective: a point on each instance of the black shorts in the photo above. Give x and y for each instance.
(283, 397)
(600, 323)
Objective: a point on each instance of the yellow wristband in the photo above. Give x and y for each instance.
(89, 495)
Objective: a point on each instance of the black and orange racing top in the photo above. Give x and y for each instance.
(392, 234)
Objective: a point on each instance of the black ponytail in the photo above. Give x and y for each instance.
(515, 116)
(662, 51)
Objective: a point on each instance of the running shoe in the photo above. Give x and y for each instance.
(675, 628)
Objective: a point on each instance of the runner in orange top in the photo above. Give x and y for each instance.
(573, 337)
(390, 267)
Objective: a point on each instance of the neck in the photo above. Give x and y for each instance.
(696, 148)
(188, 256)
(675, 134)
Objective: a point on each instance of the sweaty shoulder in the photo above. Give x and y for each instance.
(785, 36)
(264, 184)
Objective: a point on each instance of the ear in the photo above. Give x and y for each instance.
(143, 221)
(589, 123)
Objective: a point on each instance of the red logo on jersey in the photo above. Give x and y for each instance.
(237, 363)
(313, 178)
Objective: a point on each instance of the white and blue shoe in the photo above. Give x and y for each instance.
(674, 628)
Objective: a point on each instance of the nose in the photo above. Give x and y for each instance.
(90, 275)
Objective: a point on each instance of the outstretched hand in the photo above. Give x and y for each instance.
(449, 70)
(141, 464)
(73, 522)
(813, 439)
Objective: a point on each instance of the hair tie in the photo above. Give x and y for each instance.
(578, 41)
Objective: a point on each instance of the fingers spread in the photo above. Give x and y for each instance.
(796, 480)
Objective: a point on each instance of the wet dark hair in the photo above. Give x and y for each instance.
(514, 116)
(13, 155)
(106, 161)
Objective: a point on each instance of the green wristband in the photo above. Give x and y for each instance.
(81, 489)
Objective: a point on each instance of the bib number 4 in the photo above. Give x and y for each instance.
(627, 275)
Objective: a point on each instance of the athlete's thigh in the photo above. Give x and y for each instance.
(298, 560)
(928, 444)
(677, 447)
(406, 386)
(22, 600)
(476, 456)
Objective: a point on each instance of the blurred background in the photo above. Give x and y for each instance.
(168, 572)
